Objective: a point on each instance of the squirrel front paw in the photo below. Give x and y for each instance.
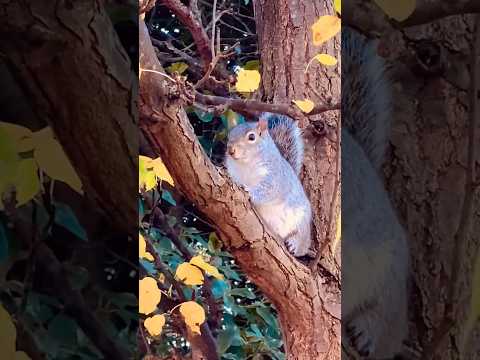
(361, 336)
(293, 246)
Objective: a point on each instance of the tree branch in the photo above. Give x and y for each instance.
(195, 27)
(243, 105)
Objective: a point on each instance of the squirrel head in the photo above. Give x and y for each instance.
(246, 140)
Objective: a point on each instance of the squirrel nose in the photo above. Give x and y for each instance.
(231, 150)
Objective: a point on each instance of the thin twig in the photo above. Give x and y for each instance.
(214, 20)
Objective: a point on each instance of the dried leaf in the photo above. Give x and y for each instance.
(209, 269)
(248, 80)
(326, 59)
(399, 10)
(324, 28)
(189, 274)
(154, 324)
(305, 105)
(52, 160)
(149, 295)
(193, 314)
(337, 4)
(142, 250)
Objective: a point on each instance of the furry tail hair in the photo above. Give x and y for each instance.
(288, 138)
(366, 97)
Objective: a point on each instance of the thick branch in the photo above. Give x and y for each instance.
(242, 105)
(187, 18)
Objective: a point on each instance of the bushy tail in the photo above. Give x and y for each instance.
(366, 96)
(288, 138)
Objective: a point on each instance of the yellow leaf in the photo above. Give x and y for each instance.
(248, 80)
(193, 314)
(325, 27)
(178, 67)
(9, 334)
(52, 160)
(161, 171)
(154, 324)
(20, 355)
(16, 132)
(161, 278)
(146, 177)
(399, 10)
(21, 135)
(189, 274)
(27, 183)
(474, 314)
(149, 295)
(9, 161)
(305, 105)
(326, 59)
(209, 269)
(337, 4)
(142, 250)
(338, 234)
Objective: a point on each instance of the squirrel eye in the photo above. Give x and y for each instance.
(251, 137)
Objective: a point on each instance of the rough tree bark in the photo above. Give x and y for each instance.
(426, 173)
(308, 303)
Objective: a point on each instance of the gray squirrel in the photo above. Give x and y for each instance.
(265, 158)
(375, 255)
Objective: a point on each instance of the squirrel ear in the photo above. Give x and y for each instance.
(262, 125)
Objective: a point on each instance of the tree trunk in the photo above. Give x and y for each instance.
(309, 309)
(286, 46)
(76, 75)
(426, 175)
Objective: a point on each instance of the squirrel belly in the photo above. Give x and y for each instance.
(259, 164)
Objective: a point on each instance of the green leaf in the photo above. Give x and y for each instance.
(243, 292)
(252, 65)
(204, 116)
(178, 67)
(77, 275)
(64, 330)
(167, 196)
(218, 288)
(267, 316)
(9, 161)
(27, 182)
(65, 217)
(224, 340)
(214, 243)
(124, 299)
(3, 243)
